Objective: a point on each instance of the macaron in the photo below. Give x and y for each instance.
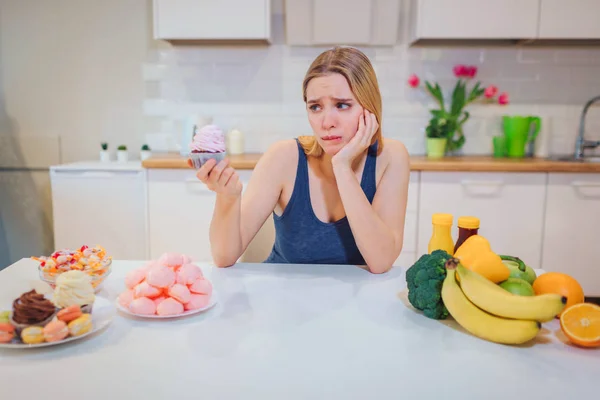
(55, 331)
(80, 325)
(32, 335)
(197, 301)
(169, 306)
(161, 276)
(201, 286)
(70, 313)
(180, 293)
(4, 316)
(188, 274)
(144, 289)
(7, 332)
(142, 306)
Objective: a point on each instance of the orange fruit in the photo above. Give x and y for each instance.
(560, 283)
(581, 324)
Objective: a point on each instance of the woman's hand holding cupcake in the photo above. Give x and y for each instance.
(221, 178)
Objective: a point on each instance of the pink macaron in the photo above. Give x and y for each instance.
(135, 277)
(142, 306)
(180, 293)
(201, 286)
(197, 301)
(144, 289)
(126, 297)
(169, 306)
(188, 274)
(161, 276)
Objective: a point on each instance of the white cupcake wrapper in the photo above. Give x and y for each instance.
(198, 159)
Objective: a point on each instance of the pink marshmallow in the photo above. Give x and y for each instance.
(197, 301)
(134, 277)
(188, 274)
(180, 293)
(201, 286)
(169, 306)
(143, 306)
(161, 276)
(144, 289)
(126, 297)
(159, 300)
(171, 260)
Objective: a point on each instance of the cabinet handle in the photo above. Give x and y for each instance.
(585, 184)
(468, 182)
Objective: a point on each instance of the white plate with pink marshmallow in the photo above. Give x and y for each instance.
(170, 287)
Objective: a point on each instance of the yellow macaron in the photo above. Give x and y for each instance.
(81, 325)
(32, 335)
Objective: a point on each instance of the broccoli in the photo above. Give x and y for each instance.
(424, 280)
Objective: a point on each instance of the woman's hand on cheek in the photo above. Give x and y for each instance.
(367, 126)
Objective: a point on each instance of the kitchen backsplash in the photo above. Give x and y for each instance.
(258, 90)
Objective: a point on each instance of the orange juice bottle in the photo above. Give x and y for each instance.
(441, 237)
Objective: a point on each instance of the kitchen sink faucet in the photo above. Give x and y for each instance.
(581, 144)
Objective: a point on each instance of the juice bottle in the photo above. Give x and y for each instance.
(467, 227)
(441, 237)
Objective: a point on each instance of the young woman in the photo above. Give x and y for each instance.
(338, 196)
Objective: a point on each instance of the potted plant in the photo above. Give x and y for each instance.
(122, 153)
(145, 152)
(104, 154)
(445, 127)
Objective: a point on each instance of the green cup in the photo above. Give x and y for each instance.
(499, 146)
(518, 132)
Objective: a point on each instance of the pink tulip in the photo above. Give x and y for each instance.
(470, 71)
(490, 91)
(503, 99)
(413, 81)
(459, 70)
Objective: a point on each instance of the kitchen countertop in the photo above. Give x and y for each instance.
(292, 332)
(417, 163)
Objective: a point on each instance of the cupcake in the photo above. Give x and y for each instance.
(209, 142)
(74, 288)
(31, 309)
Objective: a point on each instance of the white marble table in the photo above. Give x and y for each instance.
(291, 332)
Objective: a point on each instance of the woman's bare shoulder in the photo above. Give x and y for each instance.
(394, 152)
(280, 158)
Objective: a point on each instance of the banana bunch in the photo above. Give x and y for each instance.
(489, 312)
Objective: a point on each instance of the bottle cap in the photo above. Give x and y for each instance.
(468, 222)
(442, 219)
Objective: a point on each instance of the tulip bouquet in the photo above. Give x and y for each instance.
(446, 123)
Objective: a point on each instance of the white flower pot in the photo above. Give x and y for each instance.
(122, 156)
(145, 154)
(104, 156)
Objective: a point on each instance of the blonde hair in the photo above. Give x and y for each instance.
(355, 66)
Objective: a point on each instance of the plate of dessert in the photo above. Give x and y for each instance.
(170, 287)
(91, 260)
(40, 318)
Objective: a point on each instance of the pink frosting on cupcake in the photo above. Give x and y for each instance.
(209, 139)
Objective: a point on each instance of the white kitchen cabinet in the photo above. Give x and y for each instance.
(212, 20)
(573, 19)
(474, 19)
(409, 248)
(509, 205)
(347, 22)
(100, 204)
(572, 228)
(180, 209)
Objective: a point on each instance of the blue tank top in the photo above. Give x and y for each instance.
(301, 238)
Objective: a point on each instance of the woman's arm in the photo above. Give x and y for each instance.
(236, 218)
(378, 228)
